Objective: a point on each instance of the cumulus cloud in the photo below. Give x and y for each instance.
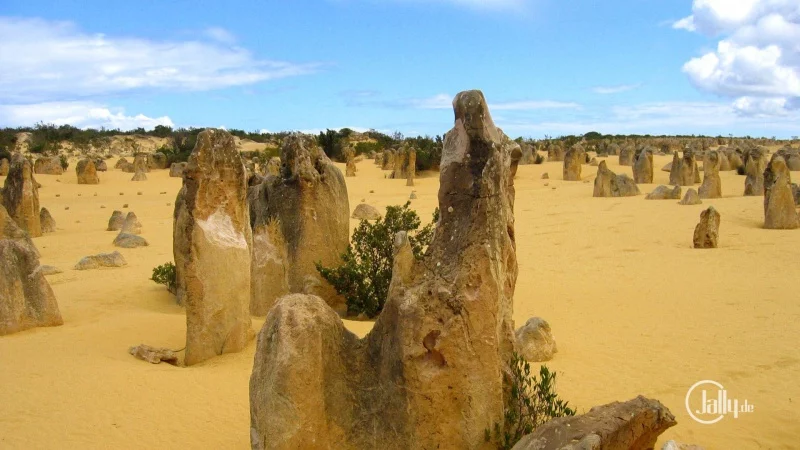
(55, 61)
(757, 60)
(79, 114)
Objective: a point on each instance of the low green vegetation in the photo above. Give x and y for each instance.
(532, 401)
(165, 274)
(365, 273)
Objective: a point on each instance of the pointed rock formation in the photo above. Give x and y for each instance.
(4, 166)
(388, 160)
(675, 170)
(779, 206)
(299, 218)
(21, 196)
(274, 166)
(47, 222)
(535, 340)
(572, 163)
(754, 166)
(712, 183)
(643, 167)
(555, 152)
(140, 167)
(626, 154)
(26, 299)
(87, 172)
(411, 173)
(116, 222)
(706, 233)
(349, 155)
(216, 230)
(131, 224)
(430, 373)
(609, 184)
(691, 198)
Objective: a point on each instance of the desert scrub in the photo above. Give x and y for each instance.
(530, 403)
(365, 273)
(165, 274)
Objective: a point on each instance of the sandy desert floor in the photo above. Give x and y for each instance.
(634, 309)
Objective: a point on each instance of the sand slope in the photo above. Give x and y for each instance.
(634, 308)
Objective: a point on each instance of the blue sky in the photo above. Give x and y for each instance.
(547, 67)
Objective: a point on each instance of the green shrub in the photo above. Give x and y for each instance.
(165, 274)
(366, 271)
(531, 403)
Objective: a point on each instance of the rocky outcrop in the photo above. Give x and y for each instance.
(114, 259)
(665, 193)
(154, 355)
(754, 165)
(116, 221)
(100, 165)
(4, 166)
(180, 245)
(48, 165)
(388, 160)
(156, 161)
(47, 222)
(779, 206)
(400, 165)
(26, 299)
(176, 169)
(706, 233)
(686, 170)
(572, 163)
(308, 204)
(712, 183)
(632, 425)
(691, 198)
(535, 340)
(675, 170)
(128, 240)
(21, 196)
(609, 184)
(216, 266)
(366, 212)
(643, 167)
(430, 373)
(87, 172)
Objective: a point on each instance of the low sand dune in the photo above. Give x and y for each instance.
(634, 308)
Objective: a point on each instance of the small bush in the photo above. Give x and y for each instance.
(366, 271)
(531, 403)
(165, 274)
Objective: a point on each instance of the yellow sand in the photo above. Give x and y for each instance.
(634, 309)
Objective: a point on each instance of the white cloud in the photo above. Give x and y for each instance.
(757, 61)
(220, 35)
(79, 113)
(47, 61)
(605, 90)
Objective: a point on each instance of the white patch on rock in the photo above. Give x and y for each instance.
(220, 231)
